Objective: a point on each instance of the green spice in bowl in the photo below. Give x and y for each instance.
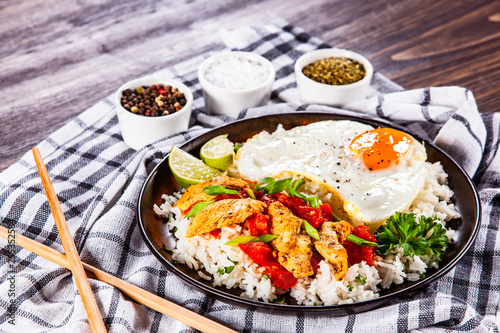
(333, 77)
(335, 71)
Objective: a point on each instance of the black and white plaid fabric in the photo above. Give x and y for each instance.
(98, 179)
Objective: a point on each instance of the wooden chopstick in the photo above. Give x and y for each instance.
(140, 295)
(83, 285)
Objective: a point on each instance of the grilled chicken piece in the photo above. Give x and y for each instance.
(195, 194)
(294, 250)
(224, 213)
(332, 235)
(298, 260)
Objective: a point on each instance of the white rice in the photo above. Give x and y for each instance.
(210, 256)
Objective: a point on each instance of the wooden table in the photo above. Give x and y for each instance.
(57, 58)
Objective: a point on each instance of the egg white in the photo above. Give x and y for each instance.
(320, 152)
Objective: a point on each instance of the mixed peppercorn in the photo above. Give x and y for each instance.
(154, 101)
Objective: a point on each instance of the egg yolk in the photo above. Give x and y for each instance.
(381, 148)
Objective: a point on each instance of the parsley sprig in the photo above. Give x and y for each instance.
(415, 238)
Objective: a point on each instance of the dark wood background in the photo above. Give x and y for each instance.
(57, 58)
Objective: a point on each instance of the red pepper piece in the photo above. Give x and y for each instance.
(327, 211)
(281, 277)
(226, 196)
(298, 207)
(262, 255)
(216, 232)
(258, 224)
(264, 197)
(315, 260)
(356, 253)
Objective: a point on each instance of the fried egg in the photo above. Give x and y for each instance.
(370, 172)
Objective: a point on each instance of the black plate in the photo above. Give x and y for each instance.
(161, 181)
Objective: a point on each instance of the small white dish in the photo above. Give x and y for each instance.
(138, 130)
(233, 81)
(313, 92)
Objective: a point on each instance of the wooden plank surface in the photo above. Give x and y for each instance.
(57, 58)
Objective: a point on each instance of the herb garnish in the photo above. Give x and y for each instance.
(233, 261)
(402, 230)
(228, 269)
(247, 239)
(270, 186)
(294, 185)
(360, 278)
(198, 207)
(311, 231)
(360, 241)
(280, 299)
(219, 189)
(251, 194)
(164, 248)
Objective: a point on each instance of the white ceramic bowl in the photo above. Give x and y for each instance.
(138, 130)
(225, 101)
(313, 92)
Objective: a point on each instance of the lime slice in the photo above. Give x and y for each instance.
(218, 152)
(189, 170)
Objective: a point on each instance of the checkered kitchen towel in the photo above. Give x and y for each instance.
(98, 179)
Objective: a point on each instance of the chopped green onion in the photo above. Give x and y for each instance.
(233, 261)
(292, 188)
(251, 194)
(313, 201)
(164, 248)
(360, 241)
(271, 186)
(247, 239)
(311, 231)
(297, 183)
(236, 148)
(335, 218)
(360, 278)
(265, 238)
(198, 207)
(241, 240)
(229, 269)
(349, 287)
(280, 299)
(219, 189)
(226, 270)
(265, 277)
